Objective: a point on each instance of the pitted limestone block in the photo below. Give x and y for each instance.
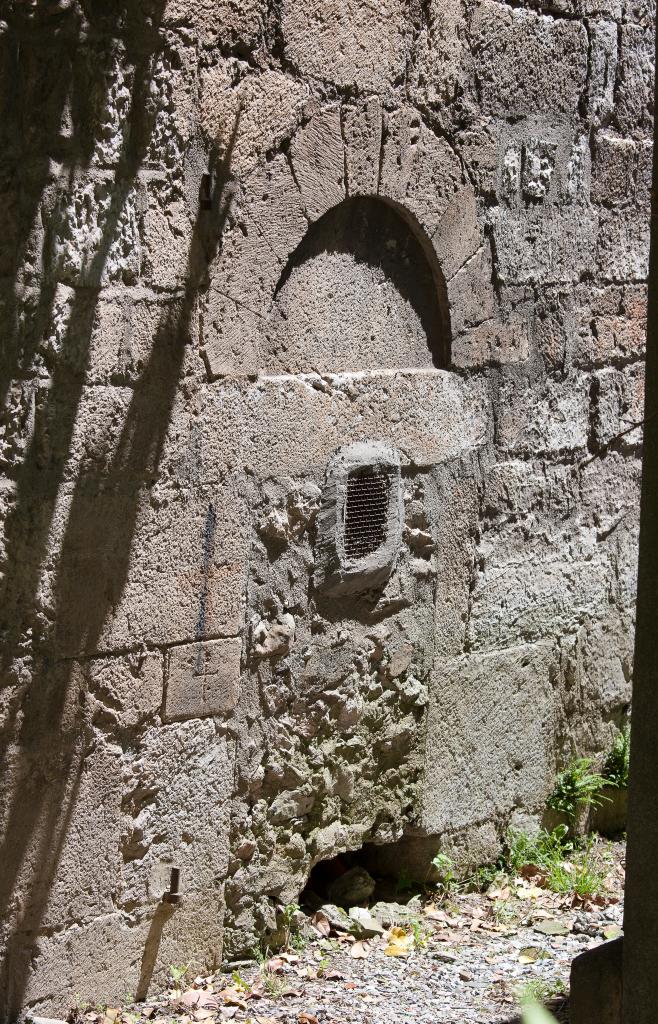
(603, 55)
(124, 691)
(577, 177)
(231, 337)
(622, 246)
(254, 254)
(455, 507)
(419, 169)
(494, 343)
(459, 235)
(441, 69)
(169, 117)
(82, 883)
(633, 109)
(491, 738)
(618, 406)
(169, 260)
(342, 41)
(605, 339)
(552, 417)
(318, 161)
(155, 568)
(544, 244)
(471, 294)
(144, 340)
(436, 416)
(203, 679)
(362, 131)
(512, 46)
(109, 76)
(272, 202)
(643, 174)
(249, 117)
(218, 23)
(109, 957)
(176, 812)
(523, 593)
(272, 638)
(93, 235)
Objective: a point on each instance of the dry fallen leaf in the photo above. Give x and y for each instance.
(361, 950)
(612, 931)
(307, 1018)
(530, 954)
(399, 943)
(321, 924)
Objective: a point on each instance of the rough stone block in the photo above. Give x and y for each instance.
(544, 245)
(595, 994)
(345, 42)
(130, 568)
(470, 293)
(124, 691)
(362, 130)
(491, 344)
(622, 246)
(203, 679)
(177, 806)
(247, 119)
(511, 45)
(216, 22)
(430, 415)
(551, 418)
(613, 170)
(419, 169)
(318, 161)
(634, 81)
(441, 69)
(490, 737)
(603, 68)
(618, 407)
(168, 256)
(93, 235)
(459, 235)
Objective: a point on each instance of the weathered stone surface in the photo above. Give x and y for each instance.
(203, 679)
(511, 44)
(362, 131)
(487, 702)
(245, 237)
(349, 44)
(318, 162)
(248, 117)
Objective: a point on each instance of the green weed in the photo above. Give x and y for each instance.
(448, 881)
(576, 786)
(615, 768)
(540, 990)
(566, 865)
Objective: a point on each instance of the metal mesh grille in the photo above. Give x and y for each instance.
(366, 508)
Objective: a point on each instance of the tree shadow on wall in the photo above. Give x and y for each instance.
(46, 736)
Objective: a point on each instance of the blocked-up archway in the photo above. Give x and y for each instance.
(358, 293)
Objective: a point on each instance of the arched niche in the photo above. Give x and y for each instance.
(360, 292)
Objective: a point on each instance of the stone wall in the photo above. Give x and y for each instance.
(237, 238)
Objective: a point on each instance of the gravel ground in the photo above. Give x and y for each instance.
(469, 958)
